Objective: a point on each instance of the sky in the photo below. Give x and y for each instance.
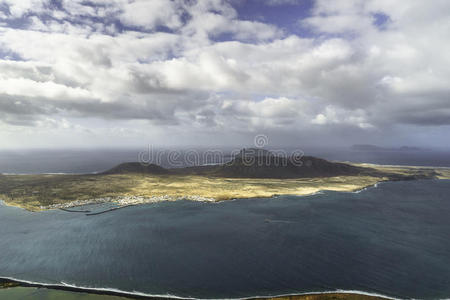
(126, 73)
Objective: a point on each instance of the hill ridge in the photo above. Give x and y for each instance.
(254, 163)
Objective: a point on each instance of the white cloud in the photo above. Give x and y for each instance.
(18, 8)
(49, 90)
(354, 73)
(213, 18)
(335, 116)
(150, 14)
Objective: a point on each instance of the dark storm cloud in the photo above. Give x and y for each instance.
(428, 117)
(161, 111)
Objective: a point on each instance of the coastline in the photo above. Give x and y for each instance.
(10, 283)
(126, 201)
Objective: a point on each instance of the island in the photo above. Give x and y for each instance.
(253, 173)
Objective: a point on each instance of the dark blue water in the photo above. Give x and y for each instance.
(392, 240)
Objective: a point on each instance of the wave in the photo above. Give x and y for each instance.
(5, 204)
(72, 287)
(135, 294)
(367, 187)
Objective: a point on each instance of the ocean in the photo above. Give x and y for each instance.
(392, 240)
(90, 161)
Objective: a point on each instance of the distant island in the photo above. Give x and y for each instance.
(374, 148)
(252, 173)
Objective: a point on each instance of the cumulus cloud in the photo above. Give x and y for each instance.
(198, 67)
(150, 14)
(19, 8)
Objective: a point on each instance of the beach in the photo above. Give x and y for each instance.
(13, 290)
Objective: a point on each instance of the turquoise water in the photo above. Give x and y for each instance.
(391, 240)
